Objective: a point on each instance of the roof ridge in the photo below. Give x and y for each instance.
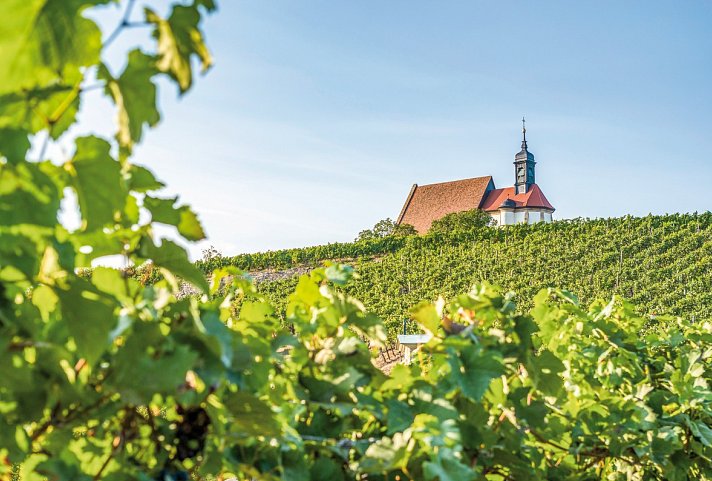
(454, 181)
(407, 203)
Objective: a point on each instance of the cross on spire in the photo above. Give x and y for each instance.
(524, 134)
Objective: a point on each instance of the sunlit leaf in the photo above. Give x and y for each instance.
(183, 218)
(134, 94)
(179, 39)
(142, 180)
(42, 38)
(97, 181)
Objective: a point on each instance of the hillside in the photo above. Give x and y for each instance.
(663, 264)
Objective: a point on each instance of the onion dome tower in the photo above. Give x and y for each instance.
(524, 166)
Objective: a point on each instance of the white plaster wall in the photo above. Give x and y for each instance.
(509, 217)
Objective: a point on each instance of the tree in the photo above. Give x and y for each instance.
(386, 228)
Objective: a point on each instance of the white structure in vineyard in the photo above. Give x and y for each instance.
(524, 202)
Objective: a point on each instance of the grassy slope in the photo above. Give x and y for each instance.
(662, 263)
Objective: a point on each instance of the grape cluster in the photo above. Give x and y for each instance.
(191, 432)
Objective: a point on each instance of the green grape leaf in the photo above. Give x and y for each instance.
(218, 337)
(97, 181)
(446, 467)
(544, 371)
(400, 416)
(179, 38)
(387, 454)
(479, 367)
(53, 107)
(294, 466)
(43, 39)
(134, 94)
(14, 144)
(27, 185)
(140, 179)
(65, 469)
(13, 439)
(325, 469)
(189, 226)
(115, 283)
(255, 312)
(90, 317)
(251, 415)
(306, 292)
(174, 259)
(701, 431)
(45, 300)
(209, 5)
(131, 213)
(58, 112)
(339, 274)
(162, 210)
(183, 218)
(427, 316)
(140, 374)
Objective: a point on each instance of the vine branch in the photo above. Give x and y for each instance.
(116, 446)
(124, 23)
(45, 143)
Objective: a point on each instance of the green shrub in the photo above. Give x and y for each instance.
(457, 222)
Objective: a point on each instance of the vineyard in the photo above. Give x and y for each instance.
(660, 263)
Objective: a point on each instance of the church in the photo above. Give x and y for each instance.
(524, 202)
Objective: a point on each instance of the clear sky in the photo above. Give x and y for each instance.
(318, 116)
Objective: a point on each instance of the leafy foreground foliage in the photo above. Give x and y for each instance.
(661, 263)
(106, 378)
(214, 386)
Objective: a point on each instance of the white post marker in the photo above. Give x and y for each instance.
(409, 343)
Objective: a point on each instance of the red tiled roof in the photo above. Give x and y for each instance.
(427, 203)
(533, 198)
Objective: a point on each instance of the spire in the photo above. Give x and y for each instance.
(523, 165)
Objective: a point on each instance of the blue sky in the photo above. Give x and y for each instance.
(318, 116)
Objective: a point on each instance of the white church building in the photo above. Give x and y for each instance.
(524, 202)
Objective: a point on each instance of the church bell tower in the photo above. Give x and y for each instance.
(523, 166)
